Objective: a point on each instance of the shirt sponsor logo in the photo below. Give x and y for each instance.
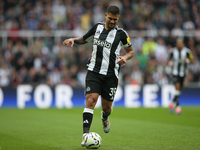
(101, 43)
(98, 32)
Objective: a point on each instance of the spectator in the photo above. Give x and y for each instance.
(19, 47)
(161, 51)
(54, 77)
(98, 12)
(86, 19)
(32, 22)
(137, 75)
(188, 24)
(15, 79)
(42, 75)
(148, 46)
(143, 59)
(4, 75)
(31, 77)
(177, 31)
(59, 11)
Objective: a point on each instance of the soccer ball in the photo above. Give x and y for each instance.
(93, 140)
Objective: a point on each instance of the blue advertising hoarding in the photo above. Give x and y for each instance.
(64, 96)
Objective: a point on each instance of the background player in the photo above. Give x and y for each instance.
(179, 58)
(104, 65)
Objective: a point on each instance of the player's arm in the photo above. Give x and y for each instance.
(74, 40)
(82, 40)
(170, 62)
(189, 59)
(129, 52)
(129, 55)
(128, 48)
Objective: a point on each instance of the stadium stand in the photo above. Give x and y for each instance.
(31, 35)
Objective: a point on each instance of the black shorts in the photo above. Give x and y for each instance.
(105, 86)
(178, 79)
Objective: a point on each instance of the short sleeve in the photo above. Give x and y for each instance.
(125, 39)
(90, 34)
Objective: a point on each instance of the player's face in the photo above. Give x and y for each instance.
(179, 44)
(111, 20)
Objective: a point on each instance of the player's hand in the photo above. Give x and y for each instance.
(122, 61)
(186, 60)
(171, 64)
(68, 42)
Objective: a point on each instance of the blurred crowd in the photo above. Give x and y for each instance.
(47, 61)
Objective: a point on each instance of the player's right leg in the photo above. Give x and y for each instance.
(92, 91)
(171, 107)
(91, 100)
(83, 140)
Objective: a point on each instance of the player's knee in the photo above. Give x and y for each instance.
(90, 102)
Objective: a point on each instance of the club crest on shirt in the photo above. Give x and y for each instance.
(88, 89)
(111, 35)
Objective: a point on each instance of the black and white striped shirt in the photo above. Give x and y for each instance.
(106, 47)
(178, 58)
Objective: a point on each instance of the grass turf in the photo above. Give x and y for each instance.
(131, 129)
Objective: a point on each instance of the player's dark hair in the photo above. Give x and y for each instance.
(179, 39)
(113, 10)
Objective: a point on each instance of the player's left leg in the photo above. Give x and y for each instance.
(177, 94)
(178, 83)
(175, 101)
(106, 111)
(107, 97)
(178, 87)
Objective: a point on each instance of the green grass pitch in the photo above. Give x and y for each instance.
(131, 129)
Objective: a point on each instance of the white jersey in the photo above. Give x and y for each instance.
(106, 48)
(178, 58)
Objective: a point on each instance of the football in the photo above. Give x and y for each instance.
(93, 140)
